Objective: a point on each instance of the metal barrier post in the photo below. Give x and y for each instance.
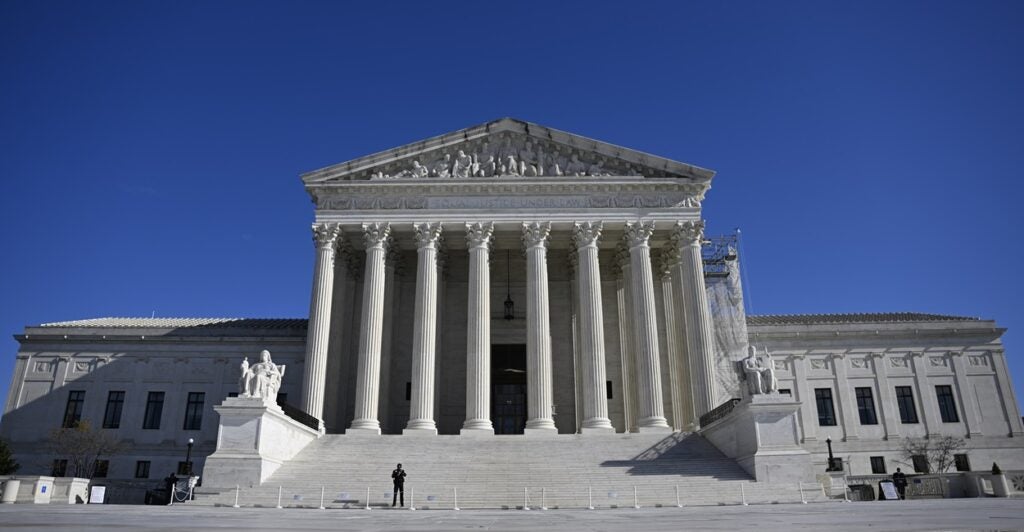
(801, 487)
(367, 499)
(279, 488)
(456, 491)
(743, 495)
(412, 498)
(846, 492)
(236, 496)
(322, 498)
(636, 503)
(590, 498)
(543, 499)
(678, 504)
(526, 498)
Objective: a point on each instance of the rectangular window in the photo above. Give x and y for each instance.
(194, 411)
(786, 391)
(102, 468)
(826, 412)
(608, 389)
(905, 400)
(920, 463)
(947, 405)
(877, 465)
(960, 460)
(73, 412)
(142, 469)
(183, 469)
(112, 416)
(60, 468)
(154, 409)
(866, 406)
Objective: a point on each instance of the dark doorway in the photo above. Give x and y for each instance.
(508, 388)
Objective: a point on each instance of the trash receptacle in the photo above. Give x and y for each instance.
(10, 494)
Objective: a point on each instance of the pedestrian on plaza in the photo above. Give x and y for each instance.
(900, 480)
(398, 477)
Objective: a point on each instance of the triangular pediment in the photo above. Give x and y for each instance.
(505, 148)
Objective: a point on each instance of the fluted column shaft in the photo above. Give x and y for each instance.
(538, 329)
(372, 327)
(595, 402)
(627, 338)
(326, 237)
(424, 330)
(478, 331)
(673, 340)
(650, 410)
(700, 343)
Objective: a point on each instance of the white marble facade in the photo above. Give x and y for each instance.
(415, 252)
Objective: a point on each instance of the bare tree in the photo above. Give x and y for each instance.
(83, 447)
(938, 454)
(7, 464)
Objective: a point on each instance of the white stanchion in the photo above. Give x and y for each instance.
(367, 499)
(800, 486)
(543, 499)
(636, 502)
(743, 496)
(236, 497)
(526, 498)
(678, 504)
(846, 492)
(279, 488)
(590, 497)
(456, 492)
(412, 498)
(322, 498)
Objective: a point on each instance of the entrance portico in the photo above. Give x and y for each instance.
(546, 226)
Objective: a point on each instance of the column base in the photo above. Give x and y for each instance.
(477, 433)
(362, 432)
(591, 431)
(597, 423)
(655, 430)
(540, 432)
(419, 432)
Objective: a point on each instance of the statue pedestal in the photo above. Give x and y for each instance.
(761, 435)
(253, 440)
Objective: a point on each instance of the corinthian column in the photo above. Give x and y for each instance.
(327, 237)
(478, 332)
(700, 342)
(538, 330)
(650, 411)
(595, 402)
(424, 330)
(375, 236)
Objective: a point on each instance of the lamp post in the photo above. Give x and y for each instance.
(191, 442)
(831, 459)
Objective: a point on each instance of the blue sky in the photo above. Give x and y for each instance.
(150, 152)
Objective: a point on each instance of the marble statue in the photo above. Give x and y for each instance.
(752, 369)
(261, 380)
(463, 165)
(418, 170)
(770, 382)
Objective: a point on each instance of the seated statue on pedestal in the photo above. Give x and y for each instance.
(261, 380)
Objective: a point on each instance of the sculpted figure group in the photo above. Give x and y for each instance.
(530, 160)
(261, 380)
(760, 372)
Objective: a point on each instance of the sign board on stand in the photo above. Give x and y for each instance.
(97, 494)
(888, 490)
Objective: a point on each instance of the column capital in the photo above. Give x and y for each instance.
(622, 259)
(535, 234)
(572, 259)
(586, 234)
(687, 233)
(638, 233)
(667, 259)
(376, 234)
(327, 235)
(427, 234)
(479, 234)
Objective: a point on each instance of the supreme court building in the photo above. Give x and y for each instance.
(510, 278)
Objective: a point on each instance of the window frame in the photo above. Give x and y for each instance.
(101, 469)
(962, 462)
(947, 403)
(194, 404)
(878, 465)
(825, 419)
(907, 406)
(153, 414)
(73, 409)
(866, 405)
(144, 466)
(115, 407)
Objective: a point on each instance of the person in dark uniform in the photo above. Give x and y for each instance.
(398, 477)
(900, 480)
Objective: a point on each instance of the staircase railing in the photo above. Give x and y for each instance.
(719, 412)
(297, 414)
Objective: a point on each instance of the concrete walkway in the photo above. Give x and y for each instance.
(954, 514)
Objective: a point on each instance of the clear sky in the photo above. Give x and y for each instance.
(870, 151)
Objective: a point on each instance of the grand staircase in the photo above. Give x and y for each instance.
(567, 471)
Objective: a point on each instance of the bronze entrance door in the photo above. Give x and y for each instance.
(508, 388)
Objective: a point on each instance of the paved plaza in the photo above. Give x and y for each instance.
(954, 514)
